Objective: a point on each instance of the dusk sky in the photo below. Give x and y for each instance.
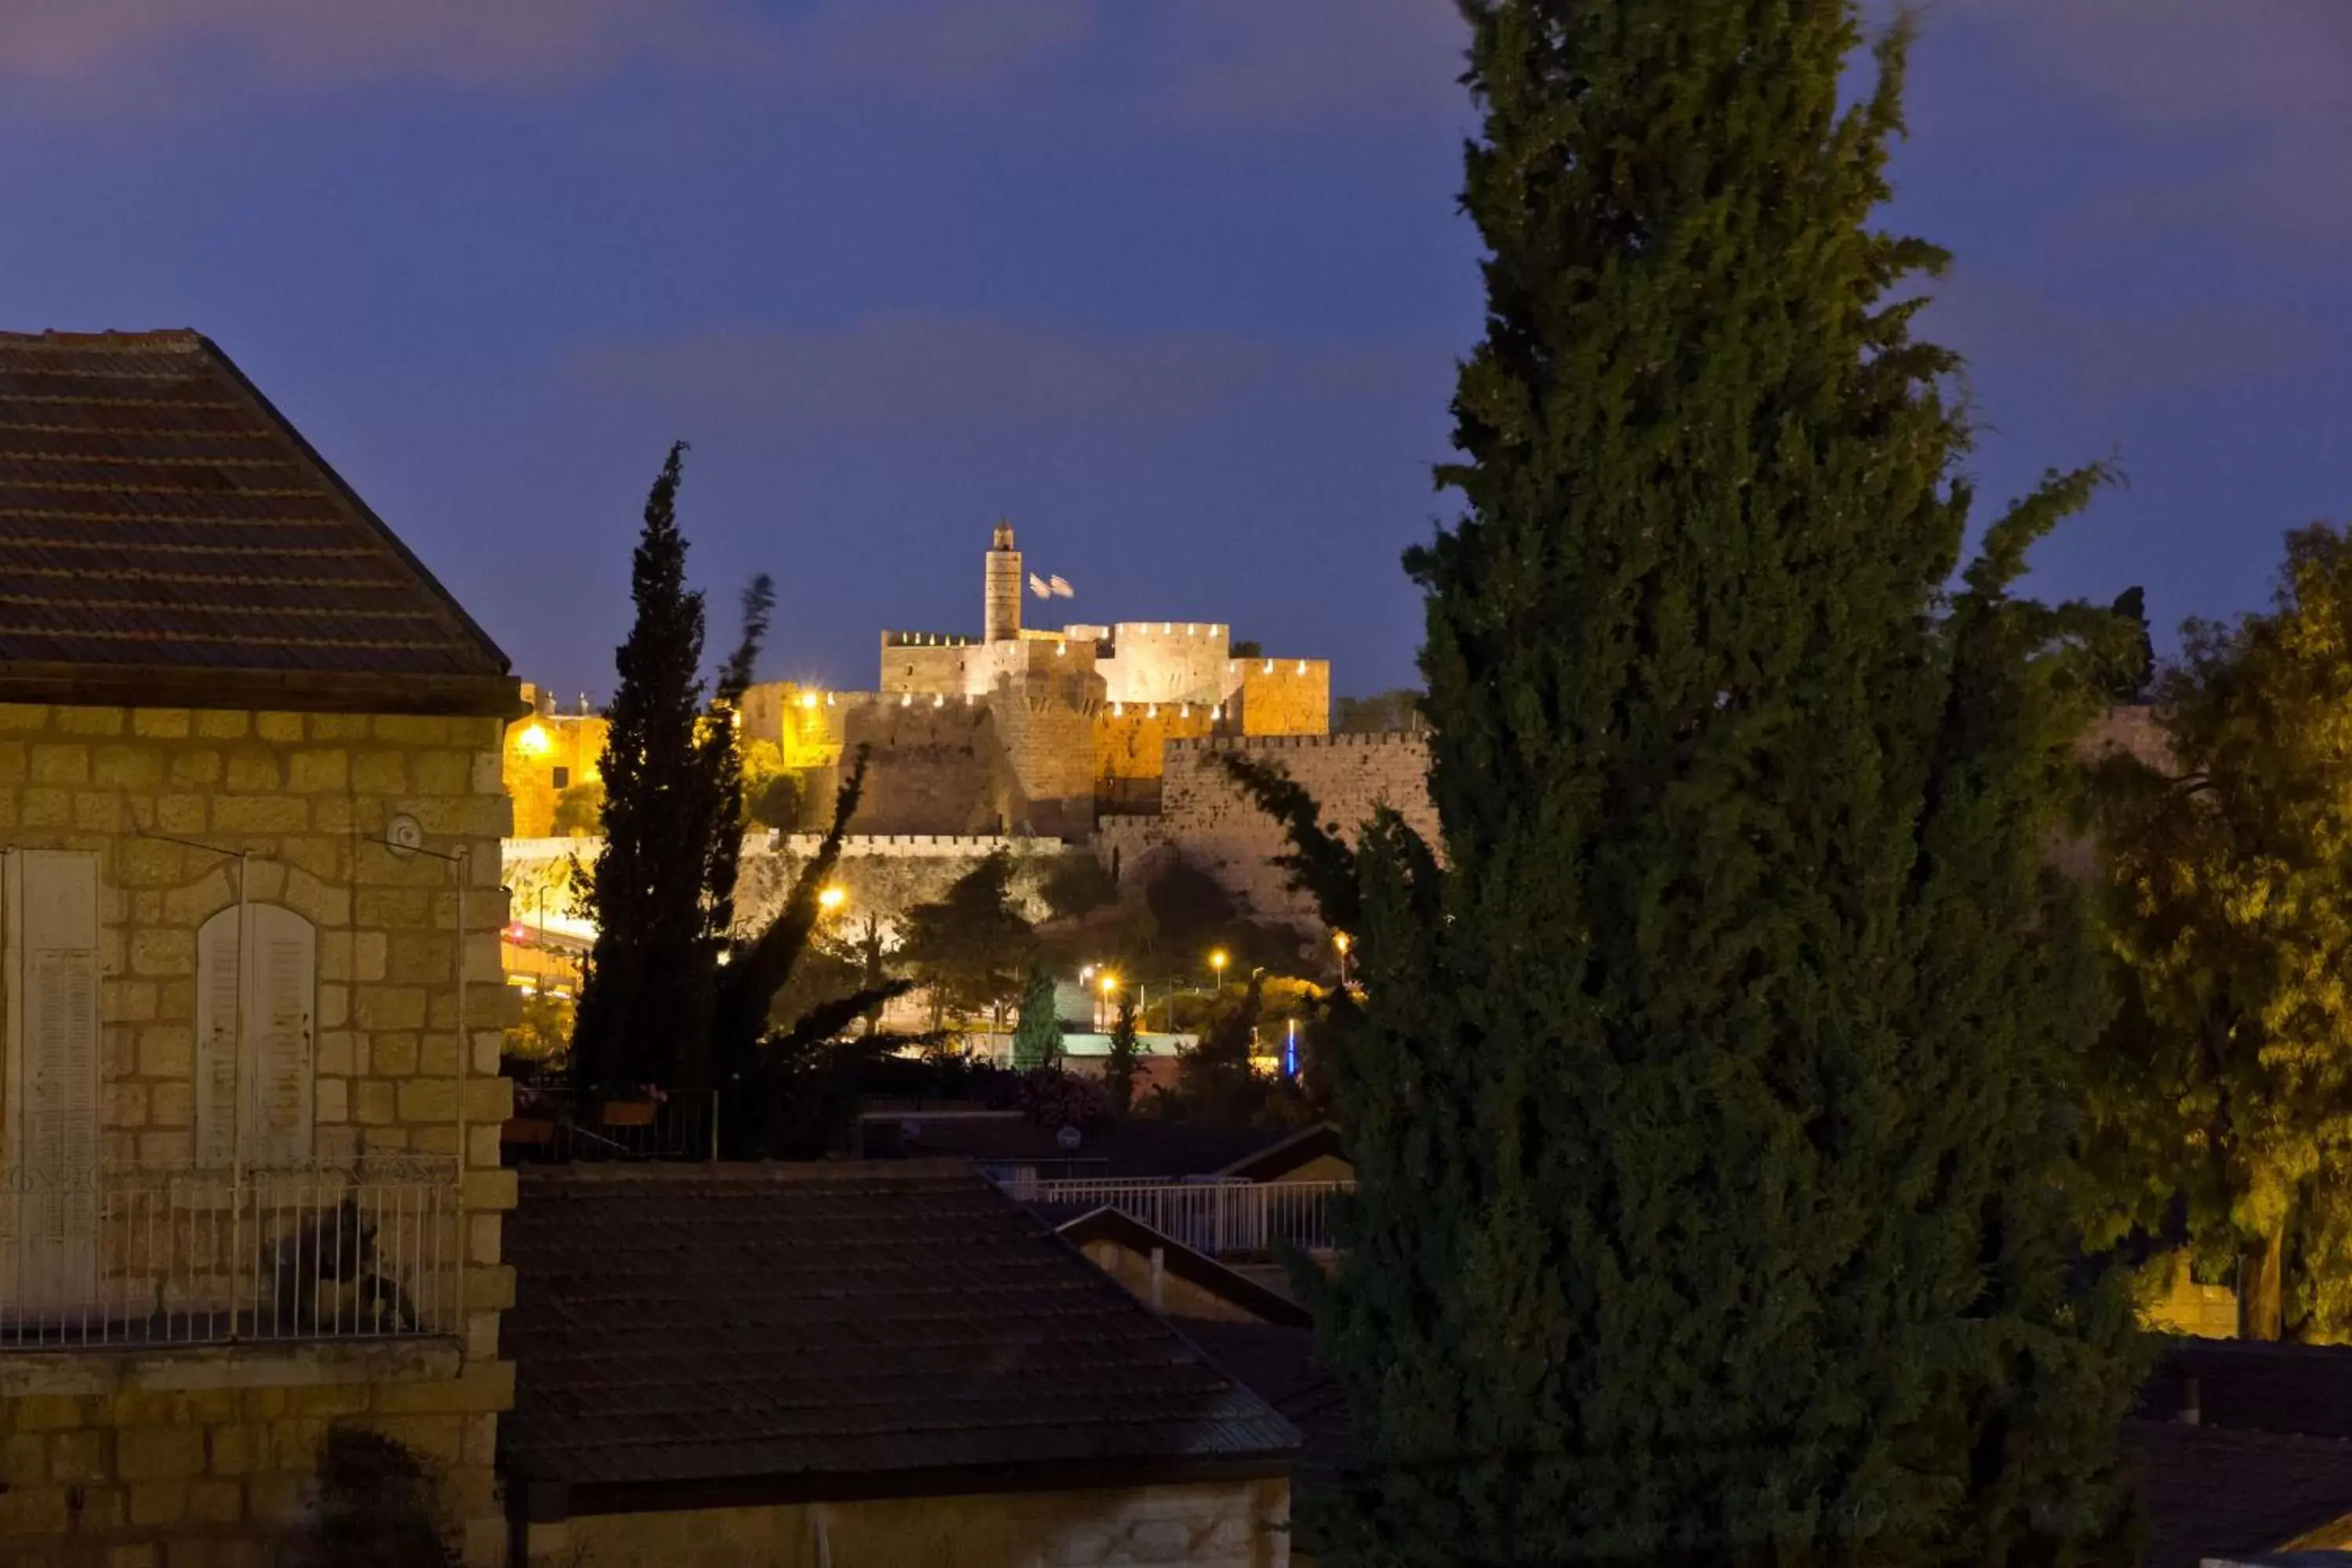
(1176, 285)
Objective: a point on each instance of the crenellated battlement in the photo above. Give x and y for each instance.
(1387, 740)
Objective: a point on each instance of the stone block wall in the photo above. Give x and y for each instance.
(929, 768)
(1207, 820)
(209, 1459)
(1217, 1524)
(176, 806)
(1166, 661)
(1283, 697)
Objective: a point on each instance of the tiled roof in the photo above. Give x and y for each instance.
(157, 514)
(2255, 1386)
(2212, 1493)
(1280, 1366)
(1135, 1147)
(833, 1325)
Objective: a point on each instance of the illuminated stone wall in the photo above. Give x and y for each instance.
(1283, 696)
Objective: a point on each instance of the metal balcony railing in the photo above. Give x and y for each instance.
(1219, 1218)
(155, 1258)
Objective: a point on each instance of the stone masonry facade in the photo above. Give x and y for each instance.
(190, 1458)
(1209, 1524)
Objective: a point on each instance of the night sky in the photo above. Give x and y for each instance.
(1175, 285)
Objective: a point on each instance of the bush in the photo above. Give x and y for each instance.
(1077, 884)
(580, 811)
(1052, 1098)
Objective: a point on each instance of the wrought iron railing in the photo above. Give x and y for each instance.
(554, 1124)
(154, 1257)
(1219, 1218)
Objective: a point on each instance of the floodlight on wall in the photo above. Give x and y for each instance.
(1269, 666)
(1302, 666)
(533, 742)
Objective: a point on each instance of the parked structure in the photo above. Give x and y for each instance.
(250, 806)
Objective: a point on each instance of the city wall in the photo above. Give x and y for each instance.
(1205, 818)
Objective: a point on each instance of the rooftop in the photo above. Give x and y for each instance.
(836, 1330)
(166, 535)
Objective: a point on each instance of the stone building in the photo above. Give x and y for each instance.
(551, 750)
(797, 1367)
(250, 810)
(1036, 728)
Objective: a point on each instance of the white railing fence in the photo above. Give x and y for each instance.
(192, 1257)
(1215, 1217)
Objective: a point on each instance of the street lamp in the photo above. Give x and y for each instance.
(1343, 942)
(1109, 986)
(831, 899)
(1217, 961)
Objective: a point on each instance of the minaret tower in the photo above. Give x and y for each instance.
(1004, 616)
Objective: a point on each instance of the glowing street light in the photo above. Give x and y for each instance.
(1217, 961)
(1343, 942)
(831, 899)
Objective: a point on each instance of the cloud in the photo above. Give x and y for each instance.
(316, 43)
(1264, 64)
(968, 379)
(2263, 84)
(1215, 65)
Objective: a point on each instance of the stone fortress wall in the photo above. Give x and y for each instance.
(1206, 818)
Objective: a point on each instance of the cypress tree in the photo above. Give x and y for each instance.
(1709, 1099)
(648, 983)
(1037, 1030)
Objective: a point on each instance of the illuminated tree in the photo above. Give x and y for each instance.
(2226, 1081)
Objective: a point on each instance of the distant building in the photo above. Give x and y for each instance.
(1025, 729)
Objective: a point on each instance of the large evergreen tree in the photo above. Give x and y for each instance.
(648, 982)
(1709, 1096)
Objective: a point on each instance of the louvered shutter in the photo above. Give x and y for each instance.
(54, 1073)
(269, 1070)
(279, 1025)
(216, 1045)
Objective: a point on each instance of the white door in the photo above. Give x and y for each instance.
(53, 1071)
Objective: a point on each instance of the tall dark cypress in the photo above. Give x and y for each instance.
(646, 1003)
(1711, 1093)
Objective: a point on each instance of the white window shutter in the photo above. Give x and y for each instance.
(216, 1031)
(55, 1072)
(269, 1072)
(280, 1027)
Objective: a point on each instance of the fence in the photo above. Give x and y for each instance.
(1219, 1218)
(554, 1124)
(193, 1257)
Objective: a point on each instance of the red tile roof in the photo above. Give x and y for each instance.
(165, 534)
(825, 1329)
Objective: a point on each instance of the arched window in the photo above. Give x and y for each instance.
(255, 1028)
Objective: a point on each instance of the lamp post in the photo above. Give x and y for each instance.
(1217, 961)
(1109, 986)
(1343, 942)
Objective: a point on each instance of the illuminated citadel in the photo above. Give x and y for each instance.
(1024, 730)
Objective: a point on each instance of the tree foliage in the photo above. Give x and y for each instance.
(970, 946)
(1037, 1032)
(2226, 1081)
(644, 1008)
(1126, 1058)
(1397, 711)
(1710, 1097)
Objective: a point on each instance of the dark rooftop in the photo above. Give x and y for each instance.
(2213, 1492)
(165, 532)
(826, 1328)
(1130, 1148)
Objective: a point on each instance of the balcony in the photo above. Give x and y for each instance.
(1219, 1218)
(149, 1258)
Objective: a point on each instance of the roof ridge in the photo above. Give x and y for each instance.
(186, 339)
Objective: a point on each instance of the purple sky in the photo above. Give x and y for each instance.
(1175, 286)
